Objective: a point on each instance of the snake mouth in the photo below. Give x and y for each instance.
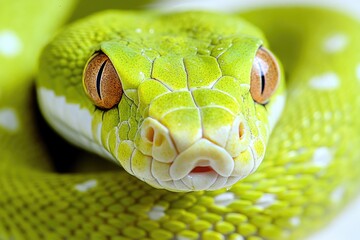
(203, 166)
(201, 175)
(202, 169)
(198, 174)
(197, 181)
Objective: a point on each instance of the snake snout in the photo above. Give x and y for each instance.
(211, 161)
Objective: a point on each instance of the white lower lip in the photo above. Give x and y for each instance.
(200, 180)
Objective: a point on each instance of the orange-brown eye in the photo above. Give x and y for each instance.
(265, 76)
(101, 82)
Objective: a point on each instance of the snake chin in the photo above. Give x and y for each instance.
(203, 177)
(197, 181)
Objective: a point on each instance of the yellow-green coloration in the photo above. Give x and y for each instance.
(177, 112)
(310, 170)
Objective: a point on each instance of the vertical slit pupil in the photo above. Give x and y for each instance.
(262, 76)
(99, 77)
(262, 82)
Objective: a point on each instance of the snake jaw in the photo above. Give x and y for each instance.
(204, 165)
(217, 159)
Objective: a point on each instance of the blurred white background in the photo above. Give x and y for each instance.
(346, 225)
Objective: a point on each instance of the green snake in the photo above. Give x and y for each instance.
(228, 134)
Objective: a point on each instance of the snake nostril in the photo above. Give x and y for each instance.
(155, 141)
(241, 130)
(149, 134)
(159, 139)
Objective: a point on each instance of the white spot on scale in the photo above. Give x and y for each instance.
(295, 221)
(266, 200)
(156, 212)
(322, 157)
(337, 194)
(86, 186)
(335, 43)
(10, 43)
(238, 237)
(182, 238)
(358, 73)
(224, 199)
(8, 119)
(327, 81)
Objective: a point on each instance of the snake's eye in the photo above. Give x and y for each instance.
(264, 76)
(101, 82)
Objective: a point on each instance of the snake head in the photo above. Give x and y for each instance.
(198, 129)
(186, 106)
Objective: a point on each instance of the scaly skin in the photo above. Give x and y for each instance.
(310, 170)
(182, 77)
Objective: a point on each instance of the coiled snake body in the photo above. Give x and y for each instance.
(187, 115)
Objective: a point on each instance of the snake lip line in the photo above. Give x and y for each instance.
(197, 182)
(202, 169)
(201, 176)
